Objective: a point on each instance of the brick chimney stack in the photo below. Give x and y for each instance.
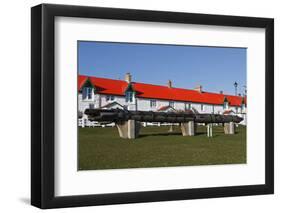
(170, 84)
(128, 77)
(198, 88)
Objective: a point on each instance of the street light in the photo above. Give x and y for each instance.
(245, 90)
(235, 85)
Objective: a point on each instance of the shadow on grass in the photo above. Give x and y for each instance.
(142, 135)
(159, 134)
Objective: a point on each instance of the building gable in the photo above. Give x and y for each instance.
(87, 83)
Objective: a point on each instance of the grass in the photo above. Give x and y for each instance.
(102, 148)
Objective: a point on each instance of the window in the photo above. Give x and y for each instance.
(236, 109)
(243, 107)
(84, 93)
(213, 109)
(225, 105)
(152, 103)
(92, 106)
(202, 107)
(171, 103)
(187, 106)
(87, 93)
(129, 96)
(110, 98)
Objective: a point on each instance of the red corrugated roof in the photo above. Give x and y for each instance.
(118, 87)
(104, 85)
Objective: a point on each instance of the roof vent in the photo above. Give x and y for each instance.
(198, 88)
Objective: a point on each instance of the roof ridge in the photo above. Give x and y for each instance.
(215, 93)
(190, 91)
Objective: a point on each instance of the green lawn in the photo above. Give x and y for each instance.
(101, 148)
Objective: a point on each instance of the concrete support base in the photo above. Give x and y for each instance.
(129, 129)
(188, 129)
(210, 130)
(229, 128)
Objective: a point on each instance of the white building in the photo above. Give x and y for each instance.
(95, 92)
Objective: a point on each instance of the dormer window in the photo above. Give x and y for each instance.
(88, 90)
(225, 103)
(129, 96)
(87, 93)
(130, 93)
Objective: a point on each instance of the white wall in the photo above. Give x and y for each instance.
(15, 127)
(118, 99)
(143, 104)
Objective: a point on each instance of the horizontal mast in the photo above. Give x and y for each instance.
(119, 115)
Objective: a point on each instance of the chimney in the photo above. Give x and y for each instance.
(198, 88)
(239, 94)
(221, 92)
(170, 84)
(128, 77)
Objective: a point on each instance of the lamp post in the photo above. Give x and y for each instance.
(245, 90)
(235, 86)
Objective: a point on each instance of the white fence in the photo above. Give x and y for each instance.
(86, 123)
(82, 122)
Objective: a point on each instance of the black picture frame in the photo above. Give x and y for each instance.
(43, 102)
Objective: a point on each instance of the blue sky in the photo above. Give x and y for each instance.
(187, 66)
